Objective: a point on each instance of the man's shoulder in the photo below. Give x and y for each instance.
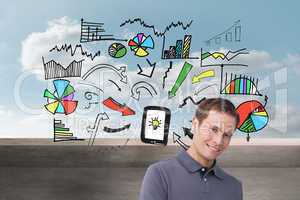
(230, 178)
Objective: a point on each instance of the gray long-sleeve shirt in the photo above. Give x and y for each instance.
(182, 178)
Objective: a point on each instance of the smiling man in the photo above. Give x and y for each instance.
(194, 174)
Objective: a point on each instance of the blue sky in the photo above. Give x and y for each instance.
(270, 32)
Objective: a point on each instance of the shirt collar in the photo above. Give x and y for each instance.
(193, 166)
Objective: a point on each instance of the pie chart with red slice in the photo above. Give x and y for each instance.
(140, 43)
(253, 116)
(61, 100)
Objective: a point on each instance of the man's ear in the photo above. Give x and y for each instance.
(195, 125)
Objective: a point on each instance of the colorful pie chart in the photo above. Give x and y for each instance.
(253, 116)
(117, 50)
(61, 100)
(140, 43)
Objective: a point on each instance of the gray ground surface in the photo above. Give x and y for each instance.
(113, 173)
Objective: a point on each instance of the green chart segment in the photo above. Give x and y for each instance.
(180, 79)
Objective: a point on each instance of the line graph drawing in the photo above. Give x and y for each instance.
(116, 106)
(166, 74)
(73, 50)
(120, 71)
(181, 50)
(115, 130)
(91, 31)
(156, 32)
(177, 139)
(118, 87)
(228, 56)
(61, 133)
(94, 129)
(231, 34)
(192, 100)
(55, 70)
(136, 89)
(148, 72)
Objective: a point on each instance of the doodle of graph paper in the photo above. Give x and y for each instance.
(61, 100)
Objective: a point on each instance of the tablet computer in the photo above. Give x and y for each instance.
(155, 125)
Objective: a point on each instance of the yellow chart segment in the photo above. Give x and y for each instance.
(51, 107)
(202, 75)
(141, 52)
(260, 113)
(217, 55)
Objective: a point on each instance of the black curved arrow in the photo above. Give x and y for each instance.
(114, 130)
(187, 132)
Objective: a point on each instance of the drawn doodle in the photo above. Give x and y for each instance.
(56, 70)
(166, 74)
(177, 139)
(180, 79)
(114, 130)
(117, 50)
(122, 108)
(187, 132)
(148, 72)
(61, 100)
(140, 43)
(157, 33)
(61, 133)
(231, 34)
(180, 51)
(115, 84)
(202, 89)
(120, 71)
(91, 31)
(202, 75)
(67, 48)
(155, 125)
(93, 130)
(228, 56)
(192, 100)
(136, 89)
(89, 96)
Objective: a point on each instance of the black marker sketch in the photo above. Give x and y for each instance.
(231, 34)
(147, 72)
(157, 33)
(93, 130)
(91, 86)
(120, 71)
(166, 74)
(114, 130)
(61, 133)
(89, 96)
(187, 132)
(177, 139)
(181, 50)
(135, 90)
(56, 70)
(228, 56)
(202, 89)
(118, 87)
(91, 31)
(67, 48)
(117, 50)
(192, 100)
(238, 85)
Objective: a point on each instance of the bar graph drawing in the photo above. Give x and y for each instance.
(181, 49)
(91, 31)
(231, 34)
(61, 133)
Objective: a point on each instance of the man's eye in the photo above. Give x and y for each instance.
(227, 135)
(215, 130)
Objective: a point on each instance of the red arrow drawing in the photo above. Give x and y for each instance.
(114, 105)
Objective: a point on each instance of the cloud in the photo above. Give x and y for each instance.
(5, 113)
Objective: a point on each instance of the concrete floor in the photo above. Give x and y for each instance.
(115, 173)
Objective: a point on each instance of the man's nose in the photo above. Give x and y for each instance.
(218, 139)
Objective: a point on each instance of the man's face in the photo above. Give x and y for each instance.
(213, 135)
